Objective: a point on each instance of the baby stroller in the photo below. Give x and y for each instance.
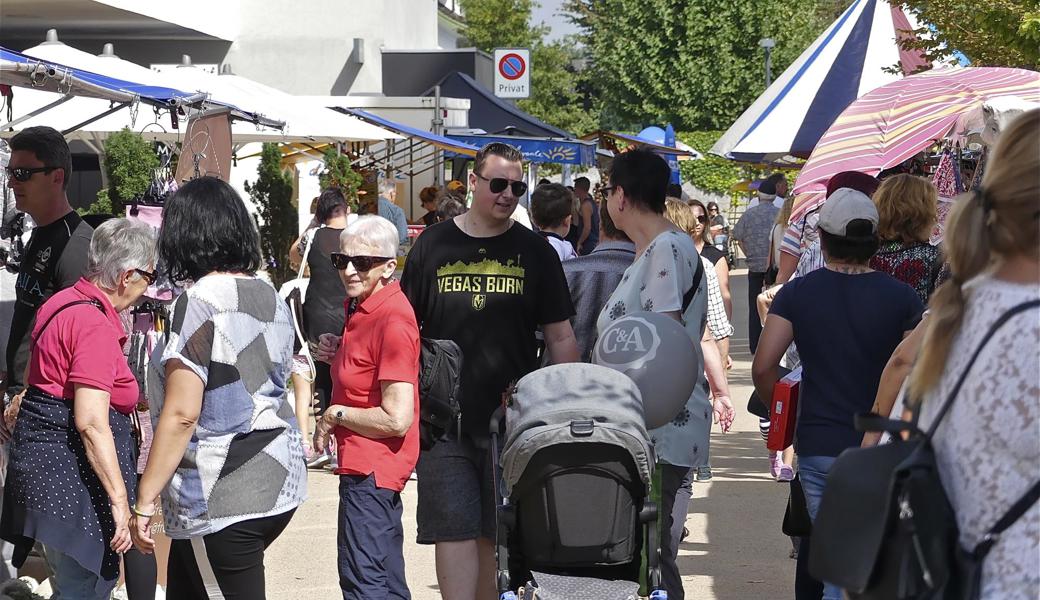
(573, 488)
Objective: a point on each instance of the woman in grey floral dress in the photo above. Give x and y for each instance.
(661, 275)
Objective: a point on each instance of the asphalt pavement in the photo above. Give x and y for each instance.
(735, 550)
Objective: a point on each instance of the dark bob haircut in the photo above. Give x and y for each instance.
(49, 146)
(207, 228)
(857, 248)
(329, 200)
(644, 177)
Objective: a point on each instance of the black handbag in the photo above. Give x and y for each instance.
(797, 522)
(886, 529)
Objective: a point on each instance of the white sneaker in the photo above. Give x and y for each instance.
(318, 461)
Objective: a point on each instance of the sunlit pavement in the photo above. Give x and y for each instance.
(735, 550)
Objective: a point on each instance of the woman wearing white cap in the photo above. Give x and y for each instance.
(846, 320)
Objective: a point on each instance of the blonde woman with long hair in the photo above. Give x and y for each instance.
(987, 444)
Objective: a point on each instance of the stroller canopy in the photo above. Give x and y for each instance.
(574, 403)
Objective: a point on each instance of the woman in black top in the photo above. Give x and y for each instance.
(323, 310)
(702, 238)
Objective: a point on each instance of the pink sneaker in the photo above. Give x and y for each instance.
(775, 462)
(786, 473)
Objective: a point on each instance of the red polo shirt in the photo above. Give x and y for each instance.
(380, 343)
(82, 345)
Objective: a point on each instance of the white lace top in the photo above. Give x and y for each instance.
(988, 445)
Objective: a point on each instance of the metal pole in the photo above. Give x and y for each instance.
(438, 129)
(769, 66)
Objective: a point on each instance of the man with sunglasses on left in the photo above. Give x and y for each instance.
(56, 256)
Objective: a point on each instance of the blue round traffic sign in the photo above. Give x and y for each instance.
(512, 66)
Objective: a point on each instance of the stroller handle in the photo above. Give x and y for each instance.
(497, 417)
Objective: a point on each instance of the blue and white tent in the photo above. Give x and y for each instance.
(855, 55)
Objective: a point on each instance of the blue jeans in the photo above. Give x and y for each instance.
(812, 471)
(71, 581)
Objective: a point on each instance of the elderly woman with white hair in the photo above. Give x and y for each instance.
(374, 413)
(71, 478)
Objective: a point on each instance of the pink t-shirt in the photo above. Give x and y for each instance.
(82, 345)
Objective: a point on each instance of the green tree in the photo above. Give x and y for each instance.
(276, 217)
(994, 33)
(694, 63)
(129, 163)
(556, 94)
(713, 173)
(339, 173)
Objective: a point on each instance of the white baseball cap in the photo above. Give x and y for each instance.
(844, 206)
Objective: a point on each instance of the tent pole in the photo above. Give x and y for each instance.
(42, 109)
(438, 129)
(115, 108)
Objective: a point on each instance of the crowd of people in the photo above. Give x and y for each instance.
(840, 291)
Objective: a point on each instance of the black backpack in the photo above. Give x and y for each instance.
(440, 374)
(902, 543)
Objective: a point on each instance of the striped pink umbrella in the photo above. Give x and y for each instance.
(896, 121)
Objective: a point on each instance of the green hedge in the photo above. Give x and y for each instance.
(714, 173)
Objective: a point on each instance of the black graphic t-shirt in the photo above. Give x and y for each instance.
(488, 295)
(54, 259)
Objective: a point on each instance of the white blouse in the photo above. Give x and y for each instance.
(988, 447)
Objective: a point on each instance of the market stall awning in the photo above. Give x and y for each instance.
(80, 97)
(895, 122)
(29, 72)
(491, 113)
(440, 141)
(852, 57)
(624, 140)
(539, 150)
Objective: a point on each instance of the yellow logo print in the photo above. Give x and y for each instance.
(479, 301)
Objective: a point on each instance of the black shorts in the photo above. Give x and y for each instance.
(456, 494)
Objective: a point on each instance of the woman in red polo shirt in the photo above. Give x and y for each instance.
(71, 477)
(374, 413)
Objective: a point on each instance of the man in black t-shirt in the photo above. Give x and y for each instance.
(487, 283)
(56, 255)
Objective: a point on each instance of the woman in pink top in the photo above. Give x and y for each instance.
(70, 480)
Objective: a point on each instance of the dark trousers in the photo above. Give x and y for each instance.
(755, 281)
(229, 562)
(676, 490)
(140, 572)
(370, 541)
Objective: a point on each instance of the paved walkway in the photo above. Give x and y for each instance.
(735, 550)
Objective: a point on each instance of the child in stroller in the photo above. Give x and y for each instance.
(573, 488)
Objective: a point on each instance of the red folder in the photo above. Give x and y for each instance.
(783, 413)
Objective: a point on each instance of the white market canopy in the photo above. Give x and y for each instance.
(276, 116)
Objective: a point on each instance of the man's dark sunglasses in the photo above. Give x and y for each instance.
(605, 190)
(361, 263)
(25, 173)
(149, 276)
(497, 185)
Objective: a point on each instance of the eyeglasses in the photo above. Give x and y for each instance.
(702, 219)
(605, 191)
(149, 276)
(361, 263)
(497, 185)
(25, 173)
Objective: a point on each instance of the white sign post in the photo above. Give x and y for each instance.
(512, 72)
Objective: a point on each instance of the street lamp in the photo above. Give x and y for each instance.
(768, 44)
